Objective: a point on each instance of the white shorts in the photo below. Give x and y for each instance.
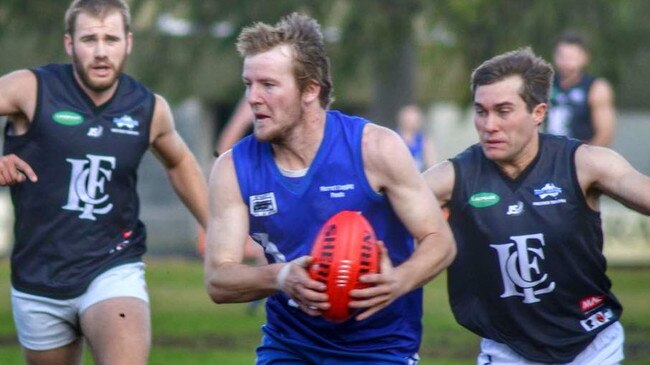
(43, 323)
(605, 349)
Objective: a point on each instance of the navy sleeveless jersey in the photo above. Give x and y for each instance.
(570, 114)
(81, 217)
(286, 215)
(530, 271)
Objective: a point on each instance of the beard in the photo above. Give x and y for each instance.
(101, 85)
(280, 135)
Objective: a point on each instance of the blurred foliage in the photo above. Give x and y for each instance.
(384, 52)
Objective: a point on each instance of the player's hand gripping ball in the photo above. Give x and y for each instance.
(345, 249)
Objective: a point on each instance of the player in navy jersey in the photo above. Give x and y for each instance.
(529, 276)
(581, 106)
(75, 137)
(302, 165)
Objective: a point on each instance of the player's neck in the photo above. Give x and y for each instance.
(97, 97)
(515, 166)
(567, 81)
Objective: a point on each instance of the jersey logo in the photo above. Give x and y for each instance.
(68, 118)
(589, 303)
(548, 190)
(483, 200)
(597, 319)
(336, 191)
(262, 205)
(516, 209)
(519, 262)
(95, 132)
(86, 192)
(126, 125)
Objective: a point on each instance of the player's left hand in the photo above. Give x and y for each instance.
(386, 288)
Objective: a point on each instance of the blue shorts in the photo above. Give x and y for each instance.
(275, 350)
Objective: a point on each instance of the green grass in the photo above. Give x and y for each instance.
(189, 329)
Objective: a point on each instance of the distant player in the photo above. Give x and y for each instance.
(581, 106)
(410, 128)
(530, 276)
(303, 165)
(76, 135)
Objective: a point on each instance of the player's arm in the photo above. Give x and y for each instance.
(440, 178)
(389, 170)
(603, 114)
(601, 170)
(18, 101)
(183, 171)
(234, 130)
(227, 278)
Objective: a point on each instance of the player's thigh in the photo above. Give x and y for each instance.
(44, 324)
(69, 354)
(118, 331)
(115, 316)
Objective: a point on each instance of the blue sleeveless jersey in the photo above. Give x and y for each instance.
(570, 113)
(286, 215)
(530, 271)
(416, 147)
(81, 217)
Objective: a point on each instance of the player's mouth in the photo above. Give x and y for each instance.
(493, 143)
(101, 70)
(261, 116)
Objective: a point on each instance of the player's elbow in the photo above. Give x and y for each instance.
(216, 289)
(218, 293)
(450, 252)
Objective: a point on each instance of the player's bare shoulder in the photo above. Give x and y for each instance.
(18, 94)
(441, 178)
(386, 158)
(597, 165)
(162, 121)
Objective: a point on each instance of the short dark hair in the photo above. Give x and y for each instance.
(96, 8)
(536, 73)
(575, 39)
(304, 36)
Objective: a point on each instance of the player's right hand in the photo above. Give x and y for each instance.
(305, 292)
(13, 170)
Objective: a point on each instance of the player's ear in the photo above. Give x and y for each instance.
(129, 42)
(311, 92)
(539, 112)
(68, 43)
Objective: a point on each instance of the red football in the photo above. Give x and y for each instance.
(345, 248)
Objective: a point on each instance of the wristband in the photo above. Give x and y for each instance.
(282, 275)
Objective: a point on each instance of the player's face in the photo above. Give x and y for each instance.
(569, 60)
(507, 131)
(99, 48)
(273, 93)
(410, 119)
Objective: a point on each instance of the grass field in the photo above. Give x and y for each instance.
(189, 329)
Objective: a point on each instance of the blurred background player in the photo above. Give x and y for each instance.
(410, 128)
(303, 164)
(530, 275)
(75, 138)
(582, 106)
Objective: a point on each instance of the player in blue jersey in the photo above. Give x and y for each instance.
(530, 276)
(75, 138)
(303, 164)
(410, 128)
(581, 106)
